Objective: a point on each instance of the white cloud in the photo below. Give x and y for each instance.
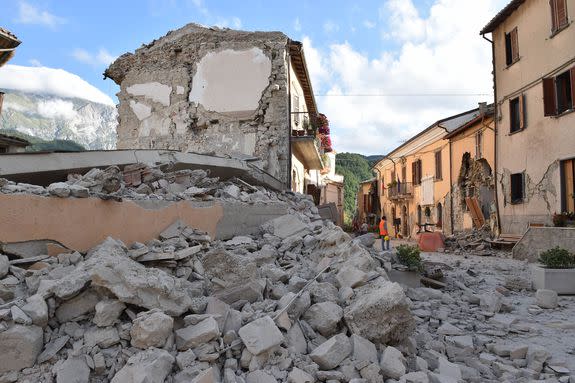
(297, 25)
(28, 14)
(329, 27)
(35, 62)
(50, 81)
(369, 24)
(103, 57)
(435, 55)
(57, 109)
(232, 22)
(199, 4)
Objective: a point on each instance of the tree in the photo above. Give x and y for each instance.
(355, 168)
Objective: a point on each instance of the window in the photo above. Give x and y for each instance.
(3, 149)
(478, 144)
(559, 93)
(393, 176)
(438, 174)
(296, 109)
(403, 173)
(558, 15)
(517, 188)
(416, 172)
(511, 47)
(517, 114)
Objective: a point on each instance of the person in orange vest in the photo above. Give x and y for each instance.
(384, 233)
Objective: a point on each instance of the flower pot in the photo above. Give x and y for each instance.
(560, 280)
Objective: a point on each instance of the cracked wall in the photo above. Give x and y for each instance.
(210, 91)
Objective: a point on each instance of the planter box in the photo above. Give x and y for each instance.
(560, 280)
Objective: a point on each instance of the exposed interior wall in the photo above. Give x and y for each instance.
(538, 149)
(298, 173)
(207, 90)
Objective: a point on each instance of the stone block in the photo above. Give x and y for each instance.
(151, 329)
(324, 317)
(392, 363)
(19, 347)
(195, 335)
(261, 335)
(332, 352)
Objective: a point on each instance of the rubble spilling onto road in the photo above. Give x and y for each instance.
(298, 302)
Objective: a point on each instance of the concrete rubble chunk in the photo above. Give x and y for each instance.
(546, 299)
(392, 363)
(260, 377)
(324, 317)
(53, 348)
(78, 306)
(107, 312)
(150, 366)
(19, 347)
(415, 377)
(195, 335)
(449, 329)
(363, 349)
(151, 329)
(19, 316)
(102, 337)
(261, 335)
(446, 368)
(185, 359)
(4, 265)
(79, 191)
(297, 375)
(210, 375)
(351, 277)
(332, 352)
(230, 267)
(37, 309)
(59, 189)
(286, 226)
(381, 315)
(491, 302)
(73, 370)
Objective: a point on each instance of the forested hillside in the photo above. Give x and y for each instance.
(355, 168)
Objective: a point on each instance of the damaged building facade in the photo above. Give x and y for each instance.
(534, 74)
(442, 177)
(223, 92)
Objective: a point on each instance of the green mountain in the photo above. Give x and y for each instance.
(355, 168)
(40, 145)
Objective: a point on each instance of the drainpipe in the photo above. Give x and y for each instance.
(289, 165)
(496, 119)
(451, 188)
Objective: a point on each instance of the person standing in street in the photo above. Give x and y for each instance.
(384, 233)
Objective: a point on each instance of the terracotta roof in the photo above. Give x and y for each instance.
(7, 41)
(501, 16)
(300, 69)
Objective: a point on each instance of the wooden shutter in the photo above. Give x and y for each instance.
(553, 6)
(572, 72)
(514, 45)
(549, 97)
(438, 169)
(561, 13)
(521, 112)
(414, 172)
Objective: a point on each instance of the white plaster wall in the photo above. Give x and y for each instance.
(142, 111)
(231, 80)
(297, 165)
(152, 90)
(296, 89)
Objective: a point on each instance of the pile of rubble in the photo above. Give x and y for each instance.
(476, 241)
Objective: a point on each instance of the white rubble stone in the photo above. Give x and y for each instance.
(299, 376)
(449, 329)
(324, 317)
(37, 309)
(210, 375)
(73, 370)
(332, 352)
(260, 376)
(151, 329)
(546, 299)
(286, 226)
(59, 189)
(195, 335)
(536, 356)
(296, 340)
(79, 191)
(239, 240)
(107, 312)
(81, 304)
(381, 315)
(446, 368)
(260, 335)
(150, 366)
(19, 316)
(438, 378)
(491, 302)
(185, 359)
(392, 363)
(462, 341)
(414, 377)
(351, 277)
(19, 347)
(4, 265)
(518, 351)
(102, 337)
(372, 373)
(363, 349)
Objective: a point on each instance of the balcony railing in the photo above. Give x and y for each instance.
(400, 190)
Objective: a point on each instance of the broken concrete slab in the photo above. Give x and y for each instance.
(324, 317)
(332, 352)
(19, 347)
(150, 366)
(107, 312)
(195, 335)
(151, 329)
(392, 363)
(286, 226)
(261, 335)
(75, 370)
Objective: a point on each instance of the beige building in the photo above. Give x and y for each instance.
(534, 72)
(221, 92)
(326, 186)
(427, 178)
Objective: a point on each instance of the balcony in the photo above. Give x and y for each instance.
(402, 190)
(306, 148)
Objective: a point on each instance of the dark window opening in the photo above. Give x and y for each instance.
(478, 144)
(559, 17)
(3, 149)
(416, 172)
(296, 109)
(511, 47)
(517, 188)
(516, 114)
(564, 97)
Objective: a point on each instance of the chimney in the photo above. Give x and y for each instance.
(482, 108)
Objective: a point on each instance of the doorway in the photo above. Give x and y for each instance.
(568, 185)
(439, 222)
(404, 225)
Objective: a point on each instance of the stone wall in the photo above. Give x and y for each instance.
(538, 239)
(207, 90)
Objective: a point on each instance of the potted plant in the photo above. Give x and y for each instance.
(555, 271)
(410, 257)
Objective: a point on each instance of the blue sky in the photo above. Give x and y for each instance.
(374, 47)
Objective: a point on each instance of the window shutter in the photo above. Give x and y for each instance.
(521, 112)
(414, 172)
(572, 72)
(549, 97)
(553, 6)
(561, 13)
(514, 45)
